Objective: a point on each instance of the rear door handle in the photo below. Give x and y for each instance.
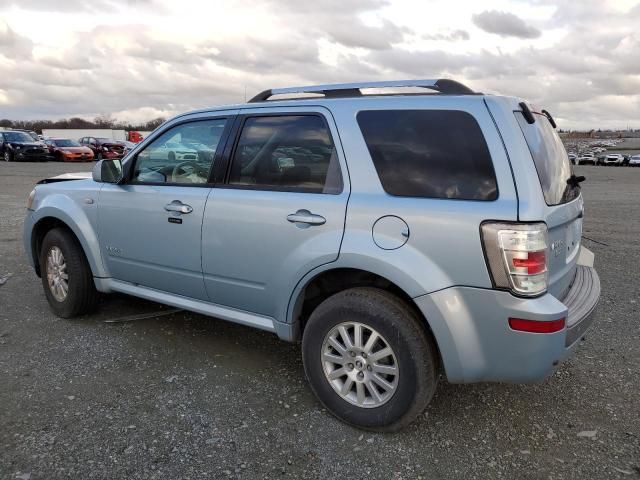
(305, 216)
(178, 206)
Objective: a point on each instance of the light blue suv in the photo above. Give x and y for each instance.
(401, 230)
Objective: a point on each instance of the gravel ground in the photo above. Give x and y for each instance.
(186, 396)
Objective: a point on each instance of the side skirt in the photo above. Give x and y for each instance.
(261, 322)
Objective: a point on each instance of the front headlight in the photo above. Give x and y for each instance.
(30, 199)
(17, 147)
(105, 149)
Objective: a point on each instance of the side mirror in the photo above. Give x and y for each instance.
(108, 171)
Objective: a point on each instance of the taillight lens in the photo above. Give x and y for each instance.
(517, 256)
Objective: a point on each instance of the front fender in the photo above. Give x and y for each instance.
(81, 220)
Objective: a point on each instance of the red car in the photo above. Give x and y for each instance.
(103, 147)
(65, 150)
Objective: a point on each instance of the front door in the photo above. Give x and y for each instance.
(280, 212)
(150, 226)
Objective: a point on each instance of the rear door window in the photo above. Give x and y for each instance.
(429, 153)
(550, 158)
(286, 153)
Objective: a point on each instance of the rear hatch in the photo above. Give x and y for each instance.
(563, 212)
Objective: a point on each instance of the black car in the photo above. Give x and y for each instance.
(20, 146)
(31, 133)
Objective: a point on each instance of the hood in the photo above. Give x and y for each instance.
(66, 177)
(28, 144)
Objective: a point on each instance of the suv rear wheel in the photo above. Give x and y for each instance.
(66, 276)
(369, 360)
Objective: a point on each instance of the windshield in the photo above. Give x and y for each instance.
(20, 137)
(66, 143)
(550, 159)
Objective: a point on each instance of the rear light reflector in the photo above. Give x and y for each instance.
(532, 262)
(536, 326)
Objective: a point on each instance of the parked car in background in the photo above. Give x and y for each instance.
(587, 159)
(359, 225)
(31, 133)
(634, 160)
(103, 147)
(66, 150)
(17, 145)
(172, 151)
(572, 158)
(613, 159)
(128, 146)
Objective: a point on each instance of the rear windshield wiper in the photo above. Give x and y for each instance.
(575, 181)
(550, 118)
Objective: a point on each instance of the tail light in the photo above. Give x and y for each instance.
(517, 256)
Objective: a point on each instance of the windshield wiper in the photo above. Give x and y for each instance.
(575, 181)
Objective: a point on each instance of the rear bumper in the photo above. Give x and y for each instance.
(581, 301)
(476, 343)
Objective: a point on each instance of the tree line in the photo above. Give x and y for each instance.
(101, 121)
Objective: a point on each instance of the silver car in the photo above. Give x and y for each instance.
(400, 237)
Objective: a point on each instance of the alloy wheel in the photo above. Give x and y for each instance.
(57, 275)
(360, 365)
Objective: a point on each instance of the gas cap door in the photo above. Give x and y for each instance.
(390, 232)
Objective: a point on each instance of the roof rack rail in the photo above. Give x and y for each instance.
(341, 90)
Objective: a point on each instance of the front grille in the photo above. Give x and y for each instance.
(34, 151)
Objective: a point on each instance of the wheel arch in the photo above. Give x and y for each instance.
(316, 288)
(72, 218)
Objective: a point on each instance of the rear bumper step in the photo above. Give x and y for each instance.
(581, 301)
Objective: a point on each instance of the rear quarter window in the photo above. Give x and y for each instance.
(429, 153)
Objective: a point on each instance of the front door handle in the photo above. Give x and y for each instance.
(178, 206)
(305, 216)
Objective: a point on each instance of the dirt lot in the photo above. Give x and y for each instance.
(185, 396)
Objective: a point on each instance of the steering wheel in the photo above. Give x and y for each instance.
(180, 172)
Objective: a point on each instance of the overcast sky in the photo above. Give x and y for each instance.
(139, 59)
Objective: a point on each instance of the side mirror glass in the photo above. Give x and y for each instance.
(108, 171)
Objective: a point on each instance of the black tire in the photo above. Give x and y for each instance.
(402, 329)
(8, 157)
(82, 296)
(59, 157)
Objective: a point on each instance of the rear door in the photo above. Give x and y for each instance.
(280, 213)
(563, 209)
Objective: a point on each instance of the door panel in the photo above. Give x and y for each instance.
(143, 243)
(282, 212)
(150, 229)
(252, 253)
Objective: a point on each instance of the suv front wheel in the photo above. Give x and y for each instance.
(369, 360)
(66, 276)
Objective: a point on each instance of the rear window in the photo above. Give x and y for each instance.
(550, 158)
(429, 153)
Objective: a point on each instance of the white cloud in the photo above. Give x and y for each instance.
(140, 59)
(504, 24)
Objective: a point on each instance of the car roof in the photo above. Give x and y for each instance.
(331, 94)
